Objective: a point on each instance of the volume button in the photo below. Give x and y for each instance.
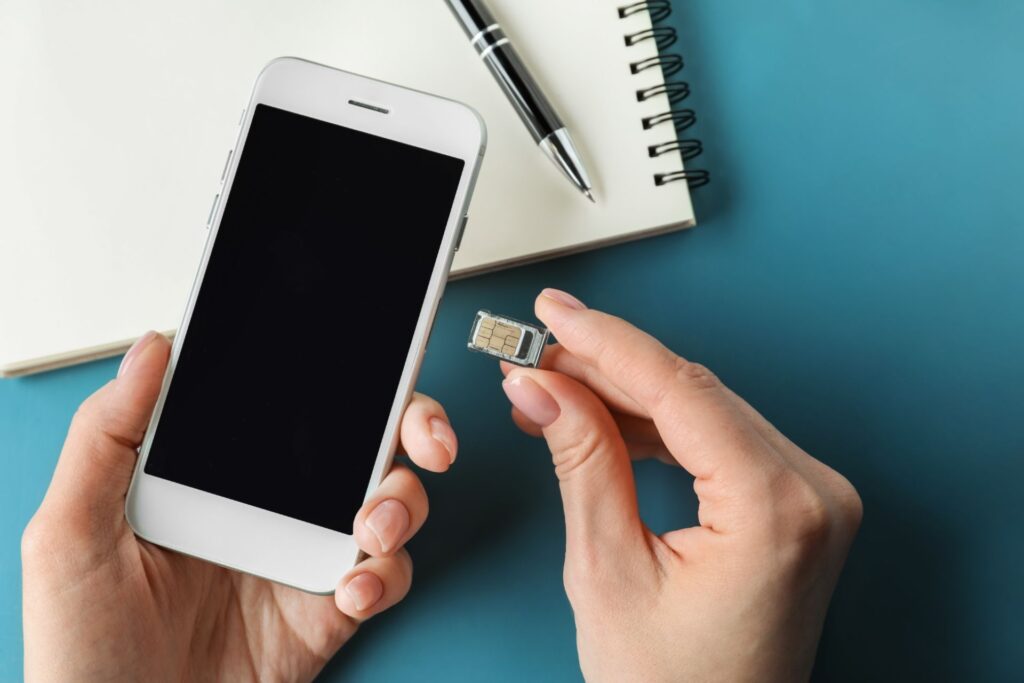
(462, 230)
(213, 209)
(227, 162)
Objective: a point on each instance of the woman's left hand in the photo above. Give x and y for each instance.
(101, 604)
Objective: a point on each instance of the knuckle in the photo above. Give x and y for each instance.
(809, 519)
(590, 338)
(681, 372)
(86, 414)
(418, 503)
(408, 484)
(89, 416)
(574, 582)
(693, 374)
(43, 542)
(832, 508)
(849, 503)
(802, 519)
(584, 581)
(810, 514)
(405, 567)
(597, 583)
(33, 540)
(398, 584)
(577, 448)
(581, 333)
(428, 403)
(100, 425)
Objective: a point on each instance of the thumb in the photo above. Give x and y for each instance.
(591, 461)
(96, 464)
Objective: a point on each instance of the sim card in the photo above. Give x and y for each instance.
(512, 340)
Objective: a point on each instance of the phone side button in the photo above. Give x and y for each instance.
(227, 162)
(462, 230)
(213, 209)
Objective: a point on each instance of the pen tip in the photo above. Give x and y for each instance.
(589, 196)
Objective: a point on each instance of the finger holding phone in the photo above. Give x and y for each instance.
(100, 603)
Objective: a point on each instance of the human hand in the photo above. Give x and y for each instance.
(742, 596)
(101, 604)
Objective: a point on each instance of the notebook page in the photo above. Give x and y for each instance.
(120, 116)
(523, 206)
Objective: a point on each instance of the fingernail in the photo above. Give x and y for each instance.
(532, 400)
(134, 351)
(365, 590)
(389, 521)
(563, 298)
(443, 432)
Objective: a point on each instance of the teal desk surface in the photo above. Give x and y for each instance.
(858, 275)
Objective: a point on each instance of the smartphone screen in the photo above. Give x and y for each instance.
(301, 328)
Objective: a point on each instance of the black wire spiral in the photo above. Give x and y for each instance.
(676, 91)
(658, 9)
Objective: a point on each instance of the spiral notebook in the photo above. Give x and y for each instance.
(122, 113)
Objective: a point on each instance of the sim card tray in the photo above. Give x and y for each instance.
(507, 338)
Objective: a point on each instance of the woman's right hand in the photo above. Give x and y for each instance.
(742, 596)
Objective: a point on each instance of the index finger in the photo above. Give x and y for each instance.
(558, 358)
(427, 436)
(697, 420)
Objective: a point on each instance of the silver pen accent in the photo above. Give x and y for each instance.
(559, 147)
(522, 90)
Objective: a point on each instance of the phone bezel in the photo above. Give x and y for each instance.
(250, 539)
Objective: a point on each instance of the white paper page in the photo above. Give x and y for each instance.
(118, 117)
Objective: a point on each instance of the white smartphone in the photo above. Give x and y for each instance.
(340, 210)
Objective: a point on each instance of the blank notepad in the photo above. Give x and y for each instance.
(119, 117)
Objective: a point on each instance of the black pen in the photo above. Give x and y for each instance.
(544, 124)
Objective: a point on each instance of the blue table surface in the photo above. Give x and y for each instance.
(857, 275)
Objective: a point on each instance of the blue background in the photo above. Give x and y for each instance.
(857, 275)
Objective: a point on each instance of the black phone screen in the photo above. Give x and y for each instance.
(304, 318)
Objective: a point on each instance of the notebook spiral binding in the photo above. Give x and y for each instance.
(676, 91)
